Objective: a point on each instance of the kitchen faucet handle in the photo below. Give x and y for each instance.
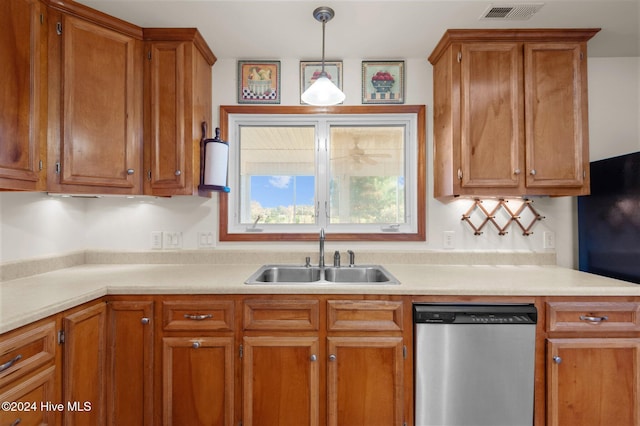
(352, 258)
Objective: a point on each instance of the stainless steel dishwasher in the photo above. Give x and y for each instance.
(474, 364)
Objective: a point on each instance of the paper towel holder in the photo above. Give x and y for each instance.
(206, 186)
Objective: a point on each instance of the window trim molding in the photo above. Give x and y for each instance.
(419, 235)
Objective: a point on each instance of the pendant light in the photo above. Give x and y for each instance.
(323, 92)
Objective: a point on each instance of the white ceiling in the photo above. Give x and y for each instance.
(391, 29)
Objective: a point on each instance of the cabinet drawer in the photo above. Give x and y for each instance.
(25, 400)
(198, 315)
(284, 315)
(593, 316)
(24, 351)
(365, 315)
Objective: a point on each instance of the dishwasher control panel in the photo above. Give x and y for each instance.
(474, 314)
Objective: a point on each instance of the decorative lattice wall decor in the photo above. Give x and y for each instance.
(501, 216)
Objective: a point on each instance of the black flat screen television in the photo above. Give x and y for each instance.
(609, 219)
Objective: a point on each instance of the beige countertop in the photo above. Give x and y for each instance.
(25, 300)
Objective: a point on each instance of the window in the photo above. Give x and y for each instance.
(357, 172)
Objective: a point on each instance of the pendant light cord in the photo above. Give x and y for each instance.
(324, 22)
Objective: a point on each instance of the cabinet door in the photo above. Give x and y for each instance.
(177, 102)
(101, 109)
(84, 361)
(165, 75)
(491, 115)
(556, 115)
(280, 381)
(130, 363)
(365, 381)
(23, 100)
(198, 381)
(593, 381)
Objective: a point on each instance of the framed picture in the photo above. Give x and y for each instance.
(382, 82)
(310, 70)
(258, 82)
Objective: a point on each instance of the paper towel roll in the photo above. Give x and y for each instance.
(216, 162)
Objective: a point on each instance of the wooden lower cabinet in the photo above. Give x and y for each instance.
(347, 370)
(198, 381)
(593, 381)
(280, 381)
(26, 399)
(129, 377)
(593, 361)
(365, 381)
(83, 366)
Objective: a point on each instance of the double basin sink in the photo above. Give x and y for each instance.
(345, 275)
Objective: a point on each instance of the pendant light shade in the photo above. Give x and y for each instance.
(323, 92)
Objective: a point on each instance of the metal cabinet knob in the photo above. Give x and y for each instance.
(145, 320)
(332, 357)
(313, 358)
(516, 172)
(557, 359)
(533, 172)
(130, 171)
(195, 345)
(178, 172)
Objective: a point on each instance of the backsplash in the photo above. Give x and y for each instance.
(24, 268)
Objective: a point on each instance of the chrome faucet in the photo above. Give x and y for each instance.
(321, 260)
(352, 258)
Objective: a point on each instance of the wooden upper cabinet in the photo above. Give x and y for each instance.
(177, 97)
(23, 122)
(95, 102)
(510, 113)
(556, 116)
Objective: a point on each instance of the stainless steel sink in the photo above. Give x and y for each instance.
(359, 274)
(298, 274)
(285, 274)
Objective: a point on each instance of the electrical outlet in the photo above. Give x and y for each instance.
(205, 240)
(172, 240)
(447, 239)
(156, 240)
(549, 239)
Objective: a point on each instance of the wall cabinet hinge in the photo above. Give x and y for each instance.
(404, 351)
(149, 55)
(60, 337)
(40, 165)
(459, 56)
(460, 174)
(581, 55)
(59, 28)
(41, 18)
(241, 351)
(58, 168)
(149, 175)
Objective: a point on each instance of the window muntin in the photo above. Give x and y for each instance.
(401, 177)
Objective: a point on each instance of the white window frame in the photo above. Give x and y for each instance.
(322, 124)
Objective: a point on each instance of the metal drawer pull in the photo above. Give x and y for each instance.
(593, 319)
(198, 317)
(332, 357)
(314, 358)
(195, 345)
(9, 363)
(145, 320)
(557, 359)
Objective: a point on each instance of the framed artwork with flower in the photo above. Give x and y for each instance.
(258, 82)
(310, 71)
(382, 82)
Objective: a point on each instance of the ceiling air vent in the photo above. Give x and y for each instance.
(511, 12)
